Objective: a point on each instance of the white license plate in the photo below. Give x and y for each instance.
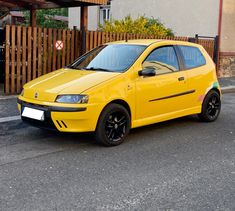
(33, 113)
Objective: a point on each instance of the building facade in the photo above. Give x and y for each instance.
(185, 18)
(227, 41)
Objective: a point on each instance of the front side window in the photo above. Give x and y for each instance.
(112, 58)
(192, 57)
(163, 60)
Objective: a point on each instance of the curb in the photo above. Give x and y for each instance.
(228, 89)
(8, 97)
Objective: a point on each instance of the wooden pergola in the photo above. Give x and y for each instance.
(33, 5)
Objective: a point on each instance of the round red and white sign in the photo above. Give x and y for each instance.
(59, 45)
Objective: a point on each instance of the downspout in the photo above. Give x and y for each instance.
(219, 32)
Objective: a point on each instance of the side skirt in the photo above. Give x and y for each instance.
(165, 117)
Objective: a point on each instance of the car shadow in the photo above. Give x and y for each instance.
(76, 140)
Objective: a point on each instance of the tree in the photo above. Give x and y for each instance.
(141, 25)
(45, 18)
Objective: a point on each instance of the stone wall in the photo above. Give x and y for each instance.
(227, 66)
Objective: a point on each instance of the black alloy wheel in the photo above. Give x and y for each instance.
(211, 107)
(113, 125)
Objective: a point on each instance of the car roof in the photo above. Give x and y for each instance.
(148, 42)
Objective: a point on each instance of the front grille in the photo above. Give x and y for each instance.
(46, 124)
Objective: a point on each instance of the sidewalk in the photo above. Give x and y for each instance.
(227, 84)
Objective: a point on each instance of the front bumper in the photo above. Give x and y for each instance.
(64, 119)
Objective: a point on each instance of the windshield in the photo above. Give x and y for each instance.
(113, 58)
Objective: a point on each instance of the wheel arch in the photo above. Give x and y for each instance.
(122, 103)
(119, 102)
(216, 90)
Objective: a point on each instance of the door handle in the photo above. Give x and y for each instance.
(181, 79)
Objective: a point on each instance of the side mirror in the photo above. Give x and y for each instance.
(147, 72)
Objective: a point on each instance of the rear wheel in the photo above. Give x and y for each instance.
(211, 107)
(113, 125)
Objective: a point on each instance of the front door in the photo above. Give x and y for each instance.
(165, 92)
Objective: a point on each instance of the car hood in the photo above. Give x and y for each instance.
(64, 81)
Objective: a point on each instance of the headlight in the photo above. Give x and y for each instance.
(82, 99)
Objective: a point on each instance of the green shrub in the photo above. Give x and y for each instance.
(141, 25)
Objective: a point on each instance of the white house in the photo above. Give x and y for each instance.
(185, 17)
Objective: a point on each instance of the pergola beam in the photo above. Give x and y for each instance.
(48, 4)
(8, 4)
(33, 5)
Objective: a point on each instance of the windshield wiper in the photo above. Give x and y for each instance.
(97, 68)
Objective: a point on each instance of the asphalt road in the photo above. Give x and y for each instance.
(176, 165)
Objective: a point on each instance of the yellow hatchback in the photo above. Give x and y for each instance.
(124, 85)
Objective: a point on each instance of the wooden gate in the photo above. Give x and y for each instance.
(31, 52)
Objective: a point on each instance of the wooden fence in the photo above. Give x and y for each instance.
(31, 52)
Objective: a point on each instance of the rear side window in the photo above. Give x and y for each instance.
(192, 57)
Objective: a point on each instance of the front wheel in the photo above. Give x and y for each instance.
(211, 107)
(113, 125)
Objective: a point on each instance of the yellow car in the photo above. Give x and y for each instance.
(124, 85)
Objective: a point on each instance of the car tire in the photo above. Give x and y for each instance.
(211, 107)
(113, 125)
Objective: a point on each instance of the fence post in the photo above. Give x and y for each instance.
(196, 37)
(216, 51)
(83, 41)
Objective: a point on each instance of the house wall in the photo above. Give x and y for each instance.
(186, 18)
(93, 17)
(227, 47)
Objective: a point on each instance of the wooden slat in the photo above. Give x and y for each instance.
(50, 47)
(23, 55)
(29, 52)
(7, 61)
(39, 52)
(63, 51)
(54, 50)
(99, 38)
(18, 60)
(59, 52)
(34, 52)
(68, 37)
(44, 51)
(77, 44)
(103, 38)
(87, 41)
(72, 46)
(13, 33)
(95, 39)
(91, 38)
